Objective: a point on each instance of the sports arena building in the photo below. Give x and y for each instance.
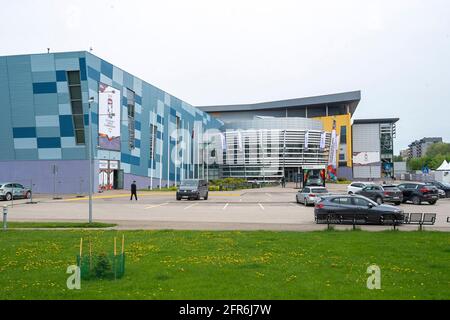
(139, 132)
(299, 124)
(136, 127)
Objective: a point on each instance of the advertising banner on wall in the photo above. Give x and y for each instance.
(334, 147)
(366, 158)
(323, 137)
(332, 157)
(109, 117)
(307, 140)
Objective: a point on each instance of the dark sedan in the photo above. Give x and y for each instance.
(380, 194)
(347, 208)
(441, 186)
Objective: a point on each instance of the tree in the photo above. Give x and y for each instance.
(436, 154)
(439, 148)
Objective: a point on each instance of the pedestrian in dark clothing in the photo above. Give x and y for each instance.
(133, 191)
(283, 182)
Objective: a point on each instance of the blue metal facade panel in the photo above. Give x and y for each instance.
(44, 87)
(45, 143)
(24, 132)
(66, 126)
(6, 134)
(61, 75)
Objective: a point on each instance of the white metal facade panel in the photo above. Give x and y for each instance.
(366, 137)
(366, 172)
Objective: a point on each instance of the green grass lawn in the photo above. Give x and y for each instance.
(51, 225)
(231, 265)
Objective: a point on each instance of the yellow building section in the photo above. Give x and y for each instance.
(341, 120)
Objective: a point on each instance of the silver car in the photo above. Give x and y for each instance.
(310, 195)
(8, 190)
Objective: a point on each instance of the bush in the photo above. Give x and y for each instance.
(156, 188)
(102, 268)
(229, 184)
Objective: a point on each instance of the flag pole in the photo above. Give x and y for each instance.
(160, 163)
(182, 155)
(152, 155)
(168, 158)
(207, 156)
(198, 154)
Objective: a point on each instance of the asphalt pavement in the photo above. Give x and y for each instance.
(271, 208)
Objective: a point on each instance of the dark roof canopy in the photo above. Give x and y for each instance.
(381, 120)
(351, 98)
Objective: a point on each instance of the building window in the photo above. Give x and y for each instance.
(342, 164)
(317, 111)
(178, 126)
(386, 139)
(76, 103)
(247, 150)
(343, 134)
(131, 122)
(258, 148)
(235, 150)
(337, 110)
(152, 141)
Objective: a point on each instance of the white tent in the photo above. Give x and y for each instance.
(445, 166)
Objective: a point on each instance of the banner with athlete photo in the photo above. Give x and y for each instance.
(109, 117)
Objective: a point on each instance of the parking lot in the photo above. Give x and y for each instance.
(256, 209)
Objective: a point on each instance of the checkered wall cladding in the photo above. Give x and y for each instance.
(37, 121)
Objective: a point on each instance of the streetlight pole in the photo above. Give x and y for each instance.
(91, 167)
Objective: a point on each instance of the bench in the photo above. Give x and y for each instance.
(421, 219)
(355, 220)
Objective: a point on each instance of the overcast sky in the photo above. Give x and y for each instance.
(397, 52)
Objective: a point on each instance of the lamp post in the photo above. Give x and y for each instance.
(90, 157)
(91, 167)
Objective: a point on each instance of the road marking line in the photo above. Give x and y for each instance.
(190, 206)
(144, 194)
(261, 206)
(157, 205)
(269, 195)
(225, 206)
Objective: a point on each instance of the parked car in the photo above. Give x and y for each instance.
(441, 193)
(356, 186)
(417, 192)
(314, 181)
(193, 189)
(345, 208)
(381, 194)
(10, 190)
(310, 195)
(441, 186)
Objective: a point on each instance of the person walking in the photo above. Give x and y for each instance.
(283, 182)
(133, 191)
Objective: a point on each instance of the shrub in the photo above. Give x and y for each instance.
(102, 267)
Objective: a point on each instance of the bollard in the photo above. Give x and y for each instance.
(5, 217)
